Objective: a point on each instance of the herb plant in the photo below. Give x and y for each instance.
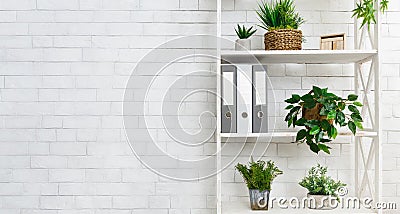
(244, 33)
(280, 14)
(330, 111)
(259, 175)
(318, 183)
(366, 10)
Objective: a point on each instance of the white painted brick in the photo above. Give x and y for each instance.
(120, 5)
(72, 41)
(20, 201)
(93, 202)
(30, 175)
(15, 148)
(11, 189)
(73, 16)
(68, 149)
(35, 16)
(62, 54)
(164, 5)
(103, 175)
(130, 202)
(42, 42)
(57, 202)
(46, 162)
(20, 5)
(40, 189)
(15, 42)
(189, 4)
(56, 5)
(8, 16)
(66, 175)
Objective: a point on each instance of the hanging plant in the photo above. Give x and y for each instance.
(320, 112)
(365, 10)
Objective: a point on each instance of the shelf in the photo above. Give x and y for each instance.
(244, 208)
(225, 136)
(300, 56)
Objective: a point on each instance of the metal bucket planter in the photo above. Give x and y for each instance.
(321, 202)
(259, 200)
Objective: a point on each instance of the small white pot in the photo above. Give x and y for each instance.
(243, 45)
(322, 202)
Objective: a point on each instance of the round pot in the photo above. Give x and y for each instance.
(322, 202)
(283, 39)
(243, 45)
(259, 200)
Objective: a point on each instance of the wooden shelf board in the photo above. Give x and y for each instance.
(297, 56)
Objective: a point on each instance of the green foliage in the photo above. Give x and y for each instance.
(244, 33)
(334, 111)
(365, 10)
(318, 183)
(259, 175)
(280, 14)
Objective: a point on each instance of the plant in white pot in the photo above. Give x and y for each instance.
(244, 34)
(322, 189)
(259, 177)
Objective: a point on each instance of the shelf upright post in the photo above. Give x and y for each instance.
(218, 102)
(377, 90)
(356, 90)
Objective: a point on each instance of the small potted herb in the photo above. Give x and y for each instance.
(319, 112)
(259, 177)
(280, 19)
(321, 188)
(244, 34)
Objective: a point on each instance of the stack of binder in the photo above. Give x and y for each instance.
(244, 99)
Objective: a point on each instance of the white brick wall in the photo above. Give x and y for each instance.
(63, 69)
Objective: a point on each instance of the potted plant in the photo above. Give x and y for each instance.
(259, 177)
(365, 10)
(243, 43)
(319, 112)
(322, 189)
(281, 21)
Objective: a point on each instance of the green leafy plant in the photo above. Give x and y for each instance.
(365, 10)
(244, 33)
(319, 112)
(259, 175)
(280, 14)
(318, 183)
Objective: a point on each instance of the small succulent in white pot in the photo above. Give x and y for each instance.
(244, 34)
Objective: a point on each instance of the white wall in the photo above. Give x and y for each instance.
(63, 69)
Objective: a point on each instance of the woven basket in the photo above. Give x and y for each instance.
(283, 39)
(313, 114)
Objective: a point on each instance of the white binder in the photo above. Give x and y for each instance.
(244, 99)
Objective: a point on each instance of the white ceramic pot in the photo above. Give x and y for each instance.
(243, 45)
(322, 202)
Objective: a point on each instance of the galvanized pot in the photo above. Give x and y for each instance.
(259, 200)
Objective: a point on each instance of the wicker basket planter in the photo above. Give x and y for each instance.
(283, 39)
(313, 114)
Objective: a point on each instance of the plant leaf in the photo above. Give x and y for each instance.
(352, 127)
(315, 130)
(352, 97)
(301, 134)
(324, 148)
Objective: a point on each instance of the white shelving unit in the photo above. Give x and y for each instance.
(367, 160)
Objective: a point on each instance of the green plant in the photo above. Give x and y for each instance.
(244, 33)
(366, 10)
(259, 175)
(280, 14)
(318, 183)
(318, 112)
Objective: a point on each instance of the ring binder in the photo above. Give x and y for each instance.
(229, 99)
(259, 99)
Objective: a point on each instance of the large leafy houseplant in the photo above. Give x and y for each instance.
(365, 10)
(259, 175)
(318, 183)
(319, 112)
